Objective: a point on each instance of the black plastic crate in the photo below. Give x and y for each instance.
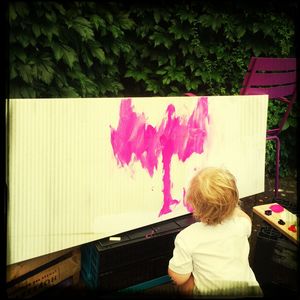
(286, 254)
(275, 259)
(267, 232)
(142, 254)
(140, 250)
(138, 272)
(89, 265)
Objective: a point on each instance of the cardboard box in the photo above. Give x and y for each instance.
(28, 278)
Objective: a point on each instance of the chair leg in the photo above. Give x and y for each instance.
(276, 185)
(277, 166)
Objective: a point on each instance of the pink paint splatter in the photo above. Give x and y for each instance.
(276, 208)
(185, 203)
(134, 139)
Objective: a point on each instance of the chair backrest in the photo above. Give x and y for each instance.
(275, 77)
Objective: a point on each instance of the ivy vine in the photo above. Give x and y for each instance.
(90, 49)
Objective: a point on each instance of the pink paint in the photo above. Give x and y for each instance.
(185, 203)
(136, 140)
(276, 208)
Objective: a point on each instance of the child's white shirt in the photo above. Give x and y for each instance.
(216, 255)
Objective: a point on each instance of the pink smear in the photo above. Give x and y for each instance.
(134, 139)
(276, 208)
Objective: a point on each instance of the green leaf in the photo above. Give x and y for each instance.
(87, 58)
(125, 22)
(137, 75)
(286, 125)
(45, 71)
(198, 72)
(83, 27)
(60, 79)
(19, 53)
(125, 47)
(166, 81)
(59, 7)
(187, 15)
(180, 32)
(12, 15)
(24, 39)
(161, 72)
(255, 27)
(98, 53)
(109, 17)
(156, 15)
(129, 73)
(21, 9)
(49, 31)
(58, 51)
(257, 52)
(28, 92)
(161, 38)
(240, 31)
(175, 90)
(69, 56)
(116, 32)
(36, 30)
(51, 16)
(25, 73)
(162, 60)
(34, 70)
(97, 21)
(115, 49)
(205, 20)
(13, 73)
(69, 92)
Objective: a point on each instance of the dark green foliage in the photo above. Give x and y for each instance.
(70, 50)
(89, 49)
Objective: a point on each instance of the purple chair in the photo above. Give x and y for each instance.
(277, 78)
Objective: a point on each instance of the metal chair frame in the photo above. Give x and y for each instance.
(275, 77)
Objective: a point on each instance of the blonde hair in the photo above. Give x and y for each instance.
(213, 195)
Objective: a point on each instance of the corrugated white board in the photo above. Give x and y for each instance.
(66, 186)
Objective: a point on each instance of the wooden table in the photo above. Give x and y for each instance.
(280, 218)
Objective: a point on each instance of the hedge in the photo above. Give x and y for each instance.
(90, 49)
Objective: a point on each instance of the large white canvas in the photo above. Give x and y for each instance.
(66, 186)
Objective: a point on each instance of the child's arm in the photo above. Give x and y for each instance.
(178, 278)
(184, 282)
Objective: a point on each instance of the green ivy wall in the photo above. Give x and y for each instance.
(89, 49)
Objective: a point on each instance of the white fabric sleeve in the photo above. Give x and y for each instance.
(246, 225)
(181, 262)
